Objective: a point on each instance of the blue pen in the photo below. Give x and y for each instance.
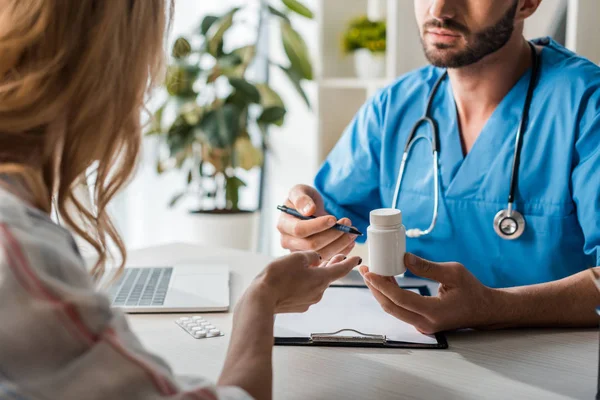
(339, 227)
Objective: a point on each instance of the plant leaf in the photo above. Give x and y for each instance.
(159, 167)
(207, 22)
(209, 130)
(220, 127)
(246, 53)
(270, 98)
(217, 31)
(180, 80)
(278, 13)
(190, 177)
(229, 121)
(238, 98)
(182, 48)
(155, 127)
(245, 87)
(297, 51)
(295, 79)
(247, 156)
(179, 136)
(229, 61)
(271, 115)
(299, 8)
(175, 199)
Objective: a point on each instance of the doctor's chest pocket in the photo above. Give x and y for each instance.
(556, 228)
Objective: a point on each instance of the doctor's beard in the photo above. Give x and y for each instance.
(479, 45)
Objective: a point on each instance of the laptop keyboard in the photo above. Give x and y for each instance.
(141, 287)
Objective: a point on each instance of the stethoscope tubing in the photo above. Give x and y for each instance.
(510, 212)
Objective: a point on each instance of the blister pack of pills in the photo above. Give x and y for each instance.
(198, 327)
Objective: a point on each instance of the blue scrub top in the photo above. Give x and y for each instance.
(558, 188)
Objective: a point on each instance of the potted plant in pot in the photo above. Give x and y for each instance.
(219, 117)
(366, 40)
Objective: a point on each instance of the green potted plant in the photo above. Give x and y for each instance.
(220, 115)
(366, 40)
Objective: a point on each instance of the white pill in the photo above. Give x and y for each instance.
(199, 334)
(209, 327)
(197, 328)
(204, 323)
(183, 319)
(213, 332)
(198, 318)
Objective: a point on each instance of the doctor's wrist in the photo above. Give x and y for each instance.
(506, 309)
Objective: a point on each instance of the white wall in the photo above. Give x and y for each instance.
(583, 32)
(540, 23)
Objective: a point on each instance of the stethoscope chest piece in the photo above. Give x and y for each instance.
(509, 224)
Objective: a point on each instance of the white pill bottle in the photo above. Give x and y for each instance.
(386, 238)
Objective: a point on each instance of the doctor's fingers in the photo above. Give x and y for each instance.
(293, 226)
(348, 249)
(418, 321)
(305, 199)
(314, 242)
(343, 245)
(411, 301)
(448, 273)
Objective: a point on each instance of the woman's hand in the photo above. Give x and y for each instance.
(295, 282)
(289, 284)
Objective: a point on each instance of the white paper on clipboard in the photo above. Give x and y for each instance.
(349, 308)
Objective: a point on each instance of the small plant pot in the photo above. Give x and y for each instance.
(225, 228)
(369, 65)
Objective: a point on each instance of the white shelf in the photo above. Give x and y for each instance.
(353, 83)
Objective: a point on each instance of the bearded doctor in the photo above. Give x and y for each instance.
(492, 154)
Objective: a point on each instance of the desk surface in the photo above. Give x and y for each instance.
(520, 364)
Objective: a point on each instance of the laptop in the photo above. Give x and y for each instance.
(169, 289)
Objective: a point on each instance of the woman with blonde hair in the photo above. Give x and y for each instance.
(73, 78)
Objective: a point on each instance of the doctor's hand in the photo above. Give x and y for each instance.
(315, 234)
(462, 301)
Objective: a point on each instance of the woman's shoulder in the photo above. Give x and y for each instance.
(59, 325)
(29, 236)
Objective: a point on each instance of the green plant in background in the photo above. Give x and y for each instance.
(363, 33)
(218, 105)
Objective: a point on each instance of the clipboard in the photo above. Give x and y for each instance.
(349, 336)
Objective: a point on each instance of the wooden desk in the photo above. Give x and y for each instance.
(517, 364)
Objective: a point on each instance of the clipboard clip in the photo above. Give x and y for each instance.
(358, 337)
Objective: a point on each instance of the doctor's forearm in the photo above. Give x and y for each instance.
(569, 302)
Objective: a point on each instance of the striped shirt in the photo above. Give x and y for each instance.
(59, 337)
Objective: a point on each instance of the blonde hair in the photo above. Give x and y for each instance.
(74, 75)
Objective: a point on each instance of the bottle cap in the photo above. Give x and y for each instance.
(386, 217)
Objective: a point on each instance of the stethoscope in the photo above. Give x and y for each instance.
(509, 223)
